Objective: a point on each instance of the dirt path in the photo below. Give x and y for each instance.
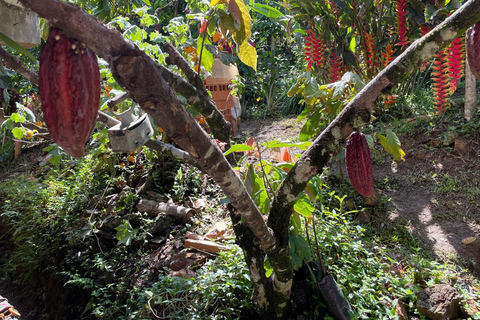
(435, 193)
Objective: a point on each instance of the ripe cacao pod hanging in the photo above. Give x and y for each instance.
(472, 44)
(69, 84)
(359, 164)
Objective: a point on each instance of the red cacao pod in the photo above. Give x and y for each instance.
(472, 45)
(359, 164)
(69, 84)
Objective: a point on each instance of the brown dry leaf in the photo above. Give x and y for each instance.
(469, 240)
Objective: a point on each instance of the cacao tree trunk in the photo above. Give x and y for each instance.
(470, 92)
(154, 94)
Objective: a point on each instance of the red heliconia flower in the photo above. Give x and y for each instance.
(455, 58)
(440, 80)
(335, 11)
(314, 49)
(389, 100)
(402, 23)
(335, 66)
(370, 45)
(424, 29)
(388, 55)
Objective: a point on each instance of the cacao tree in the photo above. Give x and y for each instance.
(157, 90)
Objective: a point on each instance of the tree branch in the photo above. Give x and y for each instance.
(137, 73)
(353, 116)
(18, 65)
(201, 101)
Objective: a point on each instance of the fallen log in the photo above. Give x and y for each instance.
(153, 208)
(205, 245)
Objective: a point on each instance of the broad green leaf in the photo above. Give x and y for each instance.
(245, 31)
(238, 148)
(304, 207)
(392, 145)
(27, 112)
(266, 10)
(7, 125)
(279, 144)
(12, 44)
(296, 223)
(268, 268)
(206, 56)
(17, 118)
(215, 2)
(147, 2)
(248, 55)
(17, 133)
(298, 86)
(55, 160)
(256, 188)
(353, 44)
(431, 11)
(226, 23)
(370, 141)
(311, 125)
(125, 233)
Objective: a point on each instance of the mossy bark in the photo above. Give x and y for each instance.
(149, 87)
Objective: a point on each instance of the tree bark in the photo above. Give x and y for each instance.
(470, 92)
(353, 116)
(138, 74)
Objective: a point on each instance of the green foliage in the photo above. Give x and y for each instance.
(221, 290)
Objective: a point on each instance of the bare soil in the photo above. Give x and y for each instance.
(435, 192)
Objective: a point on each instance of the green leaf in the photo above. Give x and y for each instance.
(125, 233)
(279, 144)
(147, 2)
(17, 133)
(256, 188)
(431, 11)
(248, 54)
(304, 207)
(266, 10)
(268, 268)
(392, 145)
(311, 125)
(353, 44)
(238, 148)
(17, 118)
(12, 44)
(7, 125)
(245, 31)
(206, 56)
(55, 160)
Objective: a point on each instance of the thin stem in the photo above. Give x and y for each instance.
(318, 250)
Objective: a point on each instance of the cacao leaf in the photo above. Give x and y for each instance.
(304, 207)
(245, 31)
(12, 44)
(256, 187)
(235, 12)
(392, 145)
(206, 56)
(248, 55)
(311, 125)
(279, 144)
(238, 148)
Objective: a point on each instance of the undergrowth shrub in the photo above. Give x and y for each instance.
(220, 290)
